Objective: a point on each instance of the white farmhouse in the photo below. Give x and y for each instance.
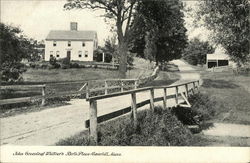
(77, 45)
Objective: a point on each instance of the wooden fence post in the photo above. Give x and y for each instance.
(186, 89)
(165, 98)
(87, 91)
(136, 82)
(93, 122)
(152, 99)
(198, 84)
(106, 87)
(43, 94)
(194, 86)
(122, 85)
(176, 95)
(134, 109)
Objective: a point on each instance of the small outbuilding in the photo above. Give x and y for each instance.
(219, 58)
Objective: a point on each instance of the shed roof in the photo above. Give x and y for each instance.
(219, 54)
(71, 35)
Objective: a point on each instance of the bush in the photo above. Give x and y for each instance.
(65, 63)
(52, 60)
(74, 65)
(32, 65)
(53, 63)
(160, 128)
(12, 73)
(44, 66)
(202, 108)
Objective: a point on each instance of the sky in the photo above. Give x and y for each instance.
(37, 17)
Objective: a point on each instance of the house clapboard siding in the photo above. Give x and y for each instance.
(77, 45)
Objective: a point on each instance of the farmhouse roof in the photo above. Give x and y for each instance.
(71, 35)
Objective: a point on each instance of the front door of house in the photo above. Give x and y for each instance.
(68, 54)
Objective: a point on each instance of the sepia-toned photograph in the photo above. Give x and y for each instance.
(114, 79)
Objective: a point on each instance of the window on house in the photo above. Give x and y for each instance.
(86, 54)
(69, 43)
(83, 44)
(51, 53)
(79, 54)
(57, 54)
(54, 43)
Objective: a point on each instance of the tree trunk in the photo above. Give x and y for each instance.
(123, 49)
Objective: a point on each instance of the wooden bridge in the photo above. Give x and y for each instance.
(181, 91)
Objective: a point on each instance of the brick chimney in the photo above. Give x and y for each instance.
(73, 26)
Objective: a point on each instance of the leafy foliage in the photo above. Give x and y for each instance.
(196, 52)
(160, 128)
(230, 22)
(65, 62)
(53, 62)
(12, 51)
(158, 30)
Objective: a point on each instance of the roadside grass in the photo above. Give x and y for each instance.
(168, 75)
(232, 92)
(160, 128)
(164, 78)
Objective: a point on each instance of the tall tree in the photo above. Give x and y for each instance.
(13, 48)
(163, 20)
(196, 51)
(120, 11)
(229, 21)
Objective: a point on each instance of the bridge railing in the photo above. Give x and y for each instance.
(94, 119)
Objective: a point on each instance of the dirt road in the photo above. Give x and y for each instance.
(48, 126)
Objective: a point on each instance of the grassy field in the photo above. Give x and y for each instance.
(231, 96)
(61, 75)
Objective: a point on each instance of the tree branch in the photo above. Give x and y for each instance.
(129, 18)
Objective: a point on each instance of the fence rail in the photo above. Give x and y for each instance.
(93, 120)
(23, 99)
(85, 89)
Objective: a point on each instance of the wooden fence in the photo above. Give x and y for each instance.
(94, 120)
(108, 86)
(23, 99)
(84, 89)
